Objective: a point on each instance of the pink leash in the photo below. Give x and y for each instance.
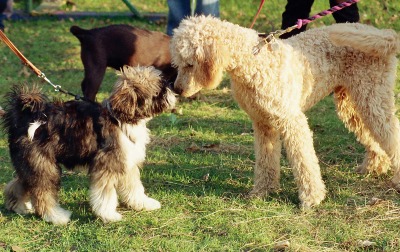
(300, 22)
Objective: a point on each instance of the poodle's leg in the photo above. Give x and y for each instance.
(375, 159)
(267, 146)
(297, 138)
(103, 196)
(377, 109)
(17, 199)
(131, 190)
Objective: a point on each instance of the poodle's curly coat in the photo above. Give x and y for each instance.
(287, 77)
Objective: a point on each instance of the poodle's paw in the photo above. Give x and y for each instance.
(374, 162)
(312, 200)
(262, 191)
(307, 206)
(110, 217)
(381, 168)
(361, 169)
(57, 216)
(257, 193)
(396, 183)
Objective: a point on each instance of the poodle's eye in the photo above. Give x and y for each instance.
(188, 66)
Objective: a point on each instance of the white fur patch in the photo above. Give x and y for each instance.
(23, 207)
(104, 202)
(133, 140)
(57, 216)
(150, 204)
(32, 128)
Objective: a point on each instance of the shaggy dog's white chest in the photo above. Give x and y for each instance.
(133, 140)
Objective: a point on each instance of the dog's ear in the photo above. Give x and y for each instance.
(211, 58)
(212, 52)
(123, 101)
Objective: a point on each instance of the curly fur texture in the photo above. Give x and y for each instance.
(275, 87)
(110, 139)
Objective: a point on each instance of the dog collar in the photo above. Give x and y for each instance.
(107, 105)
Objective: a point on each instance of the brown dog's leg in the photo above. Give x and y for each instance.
(94, 74)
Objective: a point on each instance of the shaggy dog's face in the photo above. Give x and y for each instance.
(198, 55)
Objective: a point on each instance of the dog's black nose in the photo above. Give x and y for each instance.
(178, 91)
(170, 85)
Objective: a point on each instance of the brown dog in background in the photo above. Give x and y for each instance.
(118, 45)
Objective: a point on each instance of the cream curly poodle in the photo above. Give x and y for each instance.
(276, 86)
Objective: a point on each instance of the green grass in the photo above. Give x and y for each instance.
(212, 137)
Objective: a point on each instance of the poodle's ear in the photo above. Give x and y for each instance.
(212, 59)
(212, 52)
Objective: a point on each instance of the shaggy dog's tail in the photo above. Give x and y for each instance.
(23, 106)
(367, 39)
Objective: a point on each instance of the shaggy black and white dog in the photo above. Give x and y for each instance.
(110, 139)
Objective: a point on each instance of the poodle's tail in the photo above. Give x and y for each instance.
(23, 106)
(367, 39)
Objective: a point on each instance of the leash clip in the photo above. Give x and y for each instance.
(57, 88)
(269, 40)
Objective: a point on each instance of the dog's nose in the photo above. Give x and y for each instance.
(170, 85)
(177, 90)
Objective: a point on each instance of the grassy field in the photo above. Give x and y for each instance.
(199, 164)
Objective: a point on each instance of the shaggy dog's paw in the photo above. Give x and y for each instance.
(111, 217)
(57, 216)
(23, 208)
(144, 203)
(151, 204)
